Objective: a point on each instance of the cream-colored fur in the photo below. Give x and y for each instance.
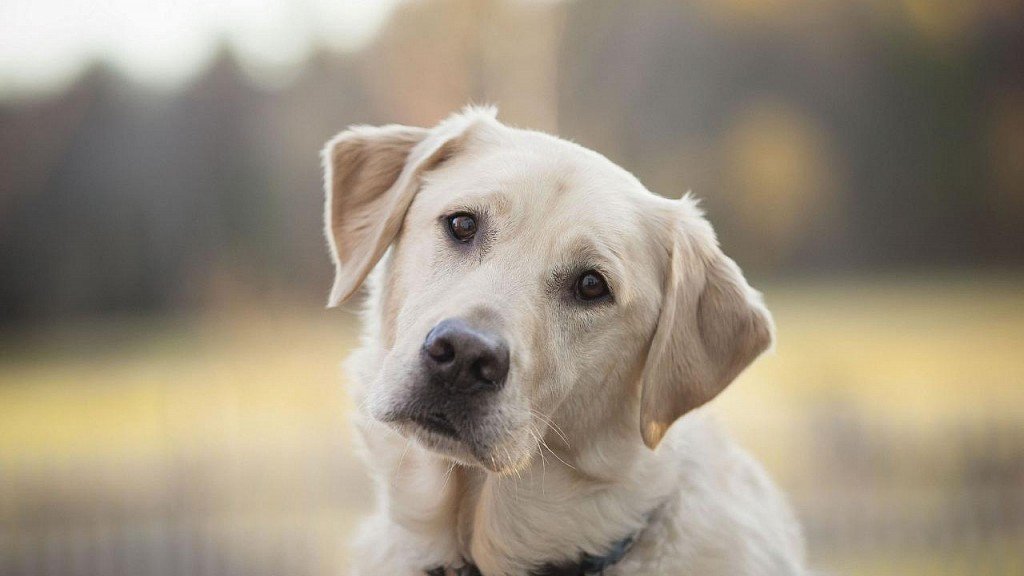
(581, 448)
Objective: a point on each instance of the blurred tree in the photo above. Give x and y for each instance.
(823, 136)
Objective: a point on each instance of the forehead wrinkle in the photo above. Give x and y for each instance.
(489, 202)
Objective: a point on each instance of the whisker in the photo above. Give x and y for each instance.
(515, 471)
(401, 459)
(448, 475)
(543, 461)
(553, 426)
(545, 445)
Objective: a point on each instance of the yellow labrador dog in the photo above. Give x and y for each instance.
(538, 330)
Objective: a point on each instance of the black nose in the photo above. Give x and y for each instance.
(465, 359)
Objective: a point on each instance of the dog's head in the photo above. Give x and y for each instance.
(531, 285)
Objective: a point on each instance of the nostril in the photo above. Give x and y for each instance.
(486, 370)
(440, 349)
(492, 367)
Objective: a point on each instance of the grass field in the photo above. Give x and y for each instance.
(240, 417)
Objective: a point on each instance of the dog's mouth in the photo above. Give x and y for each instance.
(436, 422)
(437, 432)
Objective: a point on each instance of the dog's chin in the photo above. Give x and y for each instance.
(438, 442)
(446, 442)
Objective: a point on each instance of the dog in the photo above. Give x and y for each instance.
(538, 332)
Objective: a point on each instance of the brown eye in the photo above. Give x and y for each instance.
(462, 227)
(591, 286)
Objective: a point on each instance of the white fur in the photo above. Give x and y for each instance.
(571, 471)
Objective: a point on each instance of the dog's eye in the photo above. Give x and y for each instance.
(462, 227)
(591, 286)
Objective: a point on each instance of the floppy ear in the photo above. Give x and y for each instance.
(371, 175)
(712, 326)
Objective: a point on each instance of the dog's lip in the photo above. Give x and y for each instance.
(424, 427)
(435, 422)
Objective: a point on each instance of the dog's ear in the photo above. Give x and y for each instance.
(712, 325)
(371, 175)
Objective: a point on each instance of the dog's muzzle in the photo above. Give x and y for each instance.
(461, 370)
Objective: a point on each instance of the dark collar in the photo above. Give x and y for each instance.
(587, 565)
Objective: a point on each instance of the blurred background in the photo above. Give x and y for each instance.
(170, 399)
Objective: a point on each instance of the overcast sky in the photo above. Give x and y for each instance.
(45, 43)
